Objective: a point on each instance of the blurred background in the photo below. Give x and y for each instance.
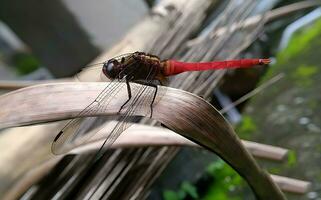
(42, 40)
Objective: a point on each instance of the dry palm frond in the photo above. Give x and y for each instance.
(195, 119)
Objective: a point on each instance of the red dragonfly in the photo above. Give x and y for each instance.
(144, 69)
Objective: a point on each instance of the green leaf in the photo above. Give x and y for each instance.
(170, 195)
(190, 189)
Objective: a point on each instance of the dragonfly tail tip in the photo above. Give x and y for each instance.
(264, 61)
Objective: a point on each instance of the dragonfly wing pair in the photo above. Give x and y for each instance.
(82, 128)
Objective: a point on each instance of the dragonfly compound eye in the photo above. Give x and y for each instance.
(110, 69)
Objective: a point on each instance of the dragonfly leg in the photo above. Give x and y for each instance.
(154, 97)
(129, 95)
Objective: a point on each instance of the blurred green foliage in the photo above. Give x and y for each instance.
(25, 63)
(246, 127)
(299, 42)
(303, 75)
(291, 158)
(186, 189)
(225, 181)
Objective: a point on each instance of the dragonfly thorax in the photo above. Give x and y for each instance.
(136, 66)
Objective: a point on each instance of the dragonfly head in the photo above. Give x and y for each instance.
(112, 69)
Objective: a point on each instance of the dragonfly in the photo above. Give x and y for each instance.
(147, 71)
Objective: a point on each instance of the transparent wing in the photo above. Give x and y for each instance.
(140, 101)
(142, 97)
(69, 136)
(75, 131)
(78, 126)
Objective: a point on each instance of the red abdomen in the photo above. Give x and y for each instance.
(173, 67)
